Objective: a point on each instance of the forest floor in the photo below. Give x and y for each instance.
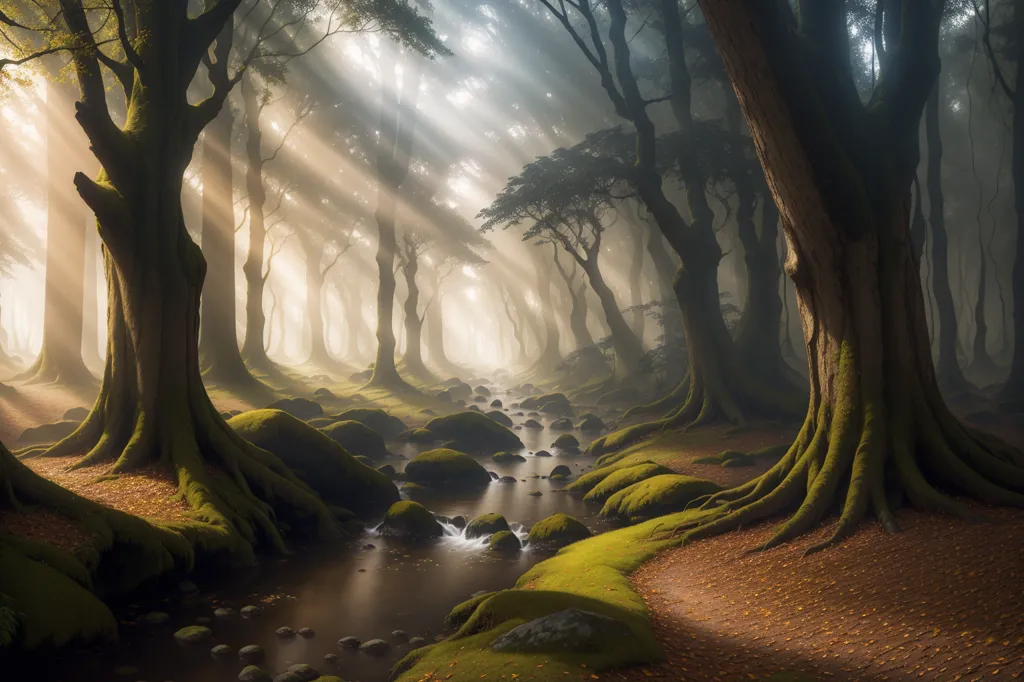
(940, 601)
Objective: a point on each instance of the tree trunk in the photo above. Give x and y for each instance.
(517, 330)
(90, 304)
(435, 339)
(313, 249)
(637, 320)
(60, 358)
(152, 408)
(218, 340)
(947, 367)
(578, 311)
(551, 354)
(982, 366)
(876, 421)
(1013, 391)
(413, 358)
(628, 351)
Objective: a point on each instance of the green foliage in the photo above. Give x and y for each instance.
(656, 496)
(400, 21)
(443, 466)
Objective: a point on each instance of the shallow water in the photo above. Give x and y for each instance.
(341, 590)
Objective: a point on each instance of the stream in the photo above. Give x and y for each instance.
(346, 589)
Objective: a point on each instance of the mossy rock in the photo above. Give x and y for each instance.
(504, 542)
(419, 436)
(566, 441)
(193, 634)
(319, 422)
(253, 673)
(560, 473)
(622, 479)
(410, 520)
(626, 395)
(586, 482)
(324, 394)
(322, 464)
(563, 424)
(496, 403)
(482, 390)
(551, 403)
(657, 496)
(532, 424)
(557, 531)
(358, 439)
(412, 488)
(591, 422)
(48, 433)
(462, 613)
(506, 456)
(377, 419)
(457, 391)
(474, 432)
(486, 524)
(500, 417)
(387, 469)
(444, 467)
(300, 408)
(542, 453)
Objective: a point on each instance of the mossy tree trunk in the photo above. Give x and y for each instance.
(841, 175)
(60, 358)
(947, 367)
(1013, 391)
(152, 408)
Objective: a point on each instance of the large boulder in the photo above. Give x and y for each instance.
(504, 542)
(657, 496)
(474, 432)
(500, 417)
(571, 630)
(486, 524)
(445, 467)
(410, 520)
(566, 441)
(357, 438)
(557, 531)
(507, 457)
(560, 473)
(562, 424)
(48, 433)
(622, 479)
(591, 422)
(298, 407)
(550, 403)
(321, 463)
(377, 419)
(482, 390)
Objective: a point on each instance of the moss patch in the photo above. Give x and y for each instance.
(443, 466)
(410, 520)
(657, 496)
(550, 403)
(623, 478)
(504, 542)
(506, 456)
(474, 432)
(557, 531)
(319, 461)
(486, 524)
(357, 438)
(377, 419)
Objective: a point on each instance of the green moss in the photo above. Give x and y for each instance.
(657, 496)
(623, 478)
(443, 466)
(375, 418)
(410, 520)
(486, 524)
(560, 473)
(616, 441)
(328, 678)
(504, 542)
(318, 461)
(591, 575)
(417, 436)
(550, 403)
(557, 531)
(358, 439)
(461, 613)
(586, 482)
(473, 431)
(506, 456)
(500, 417)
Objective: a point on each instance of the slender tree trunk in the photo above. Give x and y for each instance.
(90, 305)
(947, 367)
(60, 358)
(876, 420)
(637, 320)
(981, 361)
(551, 355)
(628, 351)
(522, 356)
(353, 325)
(312, 249)
(435, 339)
(578, 312)
(1013, 391)
(413, 358)
(254, 349)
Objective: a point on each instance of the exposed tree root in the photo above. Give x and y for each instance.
(664, 405)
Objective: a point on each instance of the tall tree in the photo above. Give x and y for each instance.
(841, 171)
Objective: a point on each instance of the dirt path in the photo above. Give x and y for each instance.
(944, 600)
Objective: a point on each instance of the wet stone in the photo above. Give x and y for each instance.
(349, 643)
(155, 618)
(253, 673)
(400, 635)
(224, 612)
(221, 651)
(307, 633)
(417, 642)
(251, 653)
(375, 647)
(285, 632)
(193, 633)
(288, 677)
(306, 673)
(251, 611)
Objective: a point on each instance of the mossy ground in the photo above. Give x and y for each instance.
(443, 466)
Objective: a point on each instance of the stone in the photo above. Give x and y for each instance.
(400, 635)
(570, 630)
(504, 542)
(542, 453)
(535, 493)
(486, 524)
(253, 673)
(76, 414)
(251, 653)
(221, 651)
(459, 522)
(306, 673)
(288, 677)
(224, 612)
(349, 643)
(285, 632)
(560, 472)
(307, 633)
(533, 424)
(187, 587)
(591, 422)
(155, 618)
(251, 611)
(300, 408)
(416, 642)
(507, 479)
(496, 403)
(193, 633)
(563, 424)
(330, 658)
(375, 647)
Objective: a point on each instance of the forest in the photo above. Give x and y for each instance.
(426, 340)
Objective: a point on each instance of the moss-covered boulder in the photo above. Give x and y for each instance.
(550, 403)
(47, 433)
(318, 423)
(458, 616)
(500, 417)
(474, 432)
(562, 424)
(300, 408)
(622, 479)
(377, 419)
(560, 473)
(486, 524)
(557, 531)
(358, 439)
(566, 441)
(496, 403)
(591, 422)
(657, 496)
(410, 520)
(482, 390)
(586, 482)
(457, 391)
(507, 457)
(504, 542)
(445, 467)
(532, 424)
(321, 463)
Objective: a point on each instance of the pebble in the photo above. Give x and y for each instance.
(285, 632)
(251, 611)
(224, 612)
(400, 634)
(349, 643)
(251, 653)
(375, 647)
(304, 672)
(221, 650)
(417, 642)
(330, 658)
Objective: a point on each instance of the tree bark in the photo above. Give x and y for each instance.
(551, 354)
(90, 304)
(60, 358)
(947, 367)
(413, 358)
(152, 407)
(628, 351)
(637, 320)
(982, 364)
(841, 176)
(577, 313)
(312, 249)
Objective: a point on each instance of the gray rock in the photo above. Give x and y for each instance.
(155, 618)
(375, 647)
(349, 643)
(542, 453)
(507, 479)
(187, 587)
(193, 633)
(306, 673)
(307, 633)
(416, 642)
(224, 612)
(251, 653)
(253, 673)
(285, 632)
(330, 658)
(288, 677)
(251, 611)
(569, 630)
(221, 650)
(400, 634)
